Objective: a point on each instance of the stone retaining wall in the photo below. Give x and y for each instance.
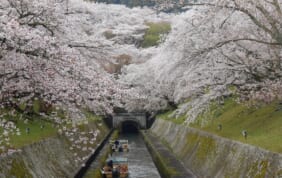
(49, 158)
(211, 156)
(168, 165)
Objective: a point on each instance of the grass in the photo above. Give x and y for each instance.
(263, 124)
(165, 116)
(91, 117)
(36, 106)
(92, 121)
(36, 132)
(34, 124)
(153, 33)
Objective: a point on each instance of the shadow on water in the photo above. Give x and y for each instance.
(140, 163)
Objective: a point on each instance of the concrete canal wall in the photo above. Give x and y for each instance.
(207, 155)
(49, 158)
(168, 165)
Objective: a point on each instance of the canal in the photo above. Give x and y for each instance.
(140, 163)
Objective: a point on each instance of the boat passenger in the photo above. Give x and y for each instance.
(107, 168)
(115, 172)
(120, 149)
(110, 163)
(116, 142)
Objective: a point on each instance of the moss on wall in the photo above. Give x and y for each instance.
(258, 169)
(50, 157)
(208, 155)
(162, 163)
(19, 170)
(205, 149)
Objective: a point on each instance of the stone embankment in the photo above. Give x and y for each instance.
(48, 158)
(168, 165)
(207, 155)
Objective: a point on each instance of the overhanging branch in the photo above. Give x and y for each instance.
(80, 46)
(222, 43)
(236, 7)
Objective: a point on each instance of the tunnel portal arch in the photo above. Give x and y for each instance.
(129, 126)
(135, 119)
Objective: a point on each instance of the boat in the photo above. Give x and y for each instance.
(119, 145)
(116, 167)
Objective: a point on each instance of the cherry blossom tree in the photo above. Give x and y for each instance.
(36, 64)
(249, 35)
(216, 45)
(213, 46)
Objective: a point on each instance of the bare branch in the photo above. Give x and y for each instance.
(270, 19)
(236, 7)
(277, 6)
(27, 16)
(222, 43)
(225, 20)
(35, 24)
(81, 46)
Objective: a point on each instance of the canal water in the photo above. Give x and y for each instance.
(140, 163)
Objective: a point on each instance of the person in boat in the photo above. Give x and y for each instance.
(123, 168)
(116, 172)
(107, 168)
(120, 149)
(116, 143)
(110, 164)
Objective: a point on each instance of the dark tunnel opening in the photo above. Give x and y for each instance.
(129, 127)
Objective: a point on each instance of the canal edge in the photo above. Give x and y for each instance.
(166, 162)
(82, 171)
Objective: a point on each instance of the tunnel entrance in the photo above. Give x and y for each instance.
(129, 127)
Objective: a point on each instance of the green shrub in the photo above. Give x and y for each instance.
(153, 33)
(36, 106)
(22, 106)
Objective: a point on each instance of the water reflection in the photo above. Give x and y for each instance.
(140, 163)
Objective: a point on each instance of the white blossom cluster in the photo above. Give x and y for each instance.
(7, 129)
(38, 61)
(82, 143)
(56, 51)
(264, 92)
(214, 46)
(9, 152)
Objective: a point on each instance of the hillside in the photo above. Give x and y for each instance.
(229, 119)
